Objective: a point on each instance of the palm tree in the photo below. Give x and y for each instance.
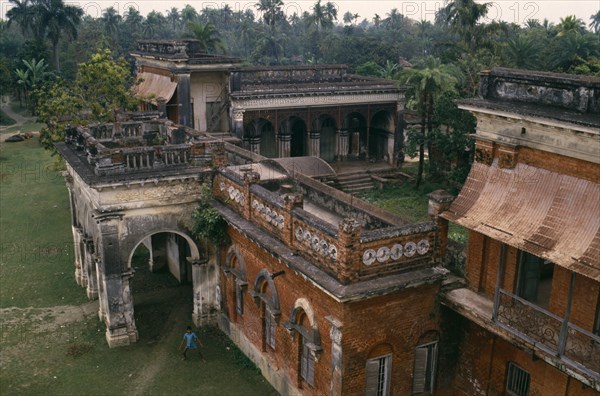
(111, 21)
(188, 14)
(174, 18)
(595, 24)
(394, 19)
(271, 10)
(567, 48)
(348, 16)
(428, 81)
(376, 20)
(21, 13)
(523, 52)
(463, 15)
(322, 16)
(570, 24)
(56, 17)
(207, 35)
(133, 19)
(389, 70)
(30, 78)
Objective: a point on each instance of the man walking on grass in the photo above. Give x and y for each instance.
(189, 340)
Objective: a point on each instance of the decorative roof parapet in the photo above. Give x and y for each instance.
(570, 92)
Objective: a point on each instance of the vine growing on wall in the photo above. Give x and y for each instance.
(208, 223)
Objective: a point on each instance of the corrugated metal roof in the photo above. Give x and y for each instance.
(154, 87)
(551, 215)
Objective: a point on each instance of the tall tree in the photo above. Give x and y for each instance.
(207, 35)
(57, 19)
(22, 14)
(595, 23)
(570, 24)
(174, 18)
(427, 81)
(463, 17)
(111, 21)
(272, 11)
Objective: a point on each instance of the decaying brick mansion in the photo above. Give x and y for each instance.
(328, 294)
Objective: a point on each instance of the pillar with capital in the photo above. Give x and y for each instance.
(238, 123)
(284, 145)
(314, 143)
(342, 144)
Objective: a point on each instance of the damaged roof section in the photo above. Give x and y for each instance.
(551, 215)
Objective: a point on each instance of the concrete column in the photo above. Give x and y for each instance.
(173, 257)
(77, 235)
(399, 135)
(184, 99)
(342, 146)
(335, 333)
(440, 201)
(283, 145)
(314, 143)
(238, 123)
(355, 144)
(206, 304)
(119, 319)
(102, 298)
(254, 144)
(90, 269)
(349, 260)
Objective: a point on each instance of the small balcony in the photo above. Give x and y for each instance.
(560, 343)
(548, 331)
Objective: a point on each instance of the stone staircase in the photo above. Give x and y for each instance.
(355, 182)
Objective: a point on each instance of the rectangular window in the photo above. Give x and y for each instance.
(535, 279)
(517, 381)
(425, 368)
(239, 299)
(270, 329)
(307, 363)
(378, 376)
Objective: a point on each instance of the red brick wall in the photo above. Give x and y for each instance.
(399, 319)
(483, 363)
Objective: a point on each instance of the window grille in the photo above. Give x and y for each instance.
(270, 329)
(239, 298)
(425, 368)
(378, 376)
(517, 381)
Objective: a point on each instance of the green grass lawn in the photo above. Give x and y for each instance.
(51, 340)
(410, 203)
(5, 120)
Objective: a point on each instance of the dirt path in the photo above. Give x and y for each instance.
(142, 382)
(6, 108)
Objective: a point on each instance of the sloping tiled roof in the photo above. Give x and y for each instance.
(154, 87)
(551, 215)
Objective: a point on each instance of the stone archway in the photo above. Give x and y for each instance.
(157, 264)
(380, 134)
(260, 137)
(327, 128)
(356, 125)
(298, 137)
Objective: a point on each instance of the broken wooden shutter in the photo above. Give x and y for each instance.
(420, 370)
(372, 376)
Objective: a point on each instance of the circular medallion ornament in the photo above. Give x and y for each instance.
(369, 257)
(333, 252)
(383, 254)
(396, 252)
(323, 248)
(307, 236)
(299, 234)
(222, 186)
(410, 249)
(423, 246)
(230, 190)
(315, 243)
(255, 204)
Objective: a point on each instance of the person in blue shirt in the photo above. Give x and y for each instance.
(189, 341)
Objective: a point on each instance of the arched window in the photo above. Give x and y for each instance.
(265, 294)
(235, 266)
(378, 371)
(302, 322)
